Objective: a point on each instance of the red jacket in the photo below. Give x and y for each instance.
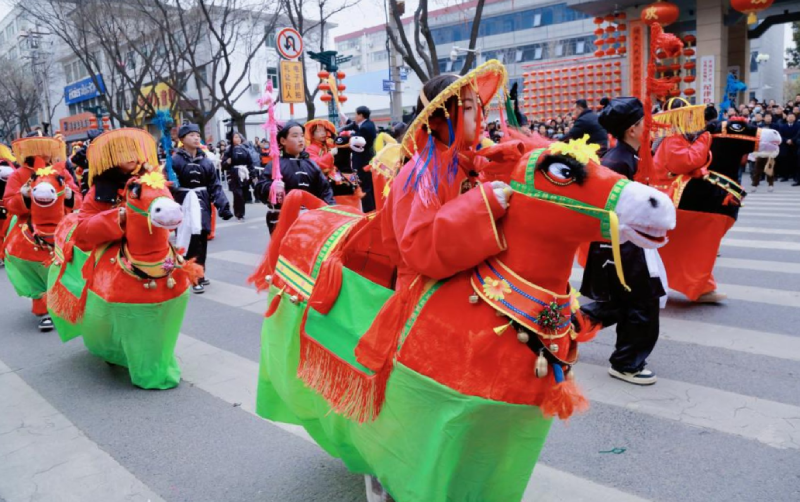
(676, 155)
(98, 223)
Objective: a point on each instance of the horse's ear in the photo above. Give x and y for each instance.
(135, 190)
(34, 176)
(60, 180)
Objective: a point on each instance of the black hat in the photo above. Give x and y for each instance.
(621, 114)
(284, 131)
(187, 128)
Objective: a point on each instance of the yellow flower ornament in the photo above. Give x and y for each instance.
(578, 149)
(154, 179)
(45, 171)
(495, 289)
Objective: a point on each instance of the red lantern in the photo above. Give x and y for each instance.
(689, 91)
(622, 39)
(598, 20)
(599, 32)
(342, 99)
(622, 27)
(751, 7)
(610, 29)
(690, 39)
(341, 75)
(599, 54)
(611, 51)
(621, 15)
(664, 13)
(689, 79)
(325, 98)
(688, 52)
(599, 42)
(341, 87)
(324, 86)
(690, 65)
(323, 74)
(611, 40)
(609, 18)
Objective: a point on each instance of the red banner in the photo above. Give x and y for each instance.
(637, 58)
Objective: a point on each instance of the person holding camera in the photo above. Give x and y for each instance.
(197, 174)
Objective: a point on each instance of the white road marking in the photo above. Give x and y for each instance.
(46, 457)
(759, 230)
(759, 244)
(771, 423)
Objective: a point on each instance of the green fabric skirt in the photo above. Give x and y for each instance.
(29, 278)
(430, 443)
(73, 282)
(141, 337)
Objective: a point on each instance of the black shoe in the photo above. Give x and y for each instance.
(46, 324)
(199, 289)
(204, 281)
(796, 184)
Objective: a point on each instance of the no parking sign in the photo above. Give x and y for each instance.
(289, 43)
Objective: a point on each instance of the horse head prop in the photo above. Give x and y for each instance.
(562, 194)
(48, 194)
(733, 139)
(151, 213)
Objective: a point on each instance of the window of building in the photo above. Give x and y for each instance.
(580, 47)
(559, 49)
(379, 56)
(272, 74)
(537, 19)
(754, 61)
(270, 42)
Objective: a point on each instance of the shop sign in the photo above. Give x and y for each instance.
(707, 79)
(76, 125)
(83, 90)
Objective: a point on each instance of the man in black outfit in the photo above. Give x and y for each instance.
(197, 174)
(586, 123)
(635, 312)
(365, 128)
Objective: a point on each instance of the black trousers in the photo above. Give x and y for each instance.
(238, 188)
(637, 328)
(365, 180)
(198, 248)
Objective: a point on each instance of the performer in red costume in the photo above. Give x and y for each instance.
(320, 149)
(53, 152)
(683, 153)
(7, 168)
(117, 155)
(439, 217)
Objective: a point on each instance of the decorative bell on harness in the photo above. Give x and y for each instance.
(541, 368)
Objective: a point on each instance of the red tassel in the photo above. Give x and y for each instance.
(563, 399)
(290, 210)
(587, 328)
(273, 305)
(192, 270)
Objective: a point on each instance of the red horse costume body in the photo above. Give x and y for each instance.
(448, 394)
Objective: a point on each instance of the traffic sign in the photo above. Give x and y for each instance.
(289, 43)
(292, 88)
(388, 86)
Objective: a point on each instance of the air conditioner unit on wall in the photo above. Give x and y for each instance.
(253, 89)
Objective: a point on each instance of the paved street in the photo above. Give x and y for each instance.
(721, 424)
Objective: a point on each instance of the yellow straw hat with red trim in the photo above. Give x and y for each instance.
(311, 124)
(40, 146)
(485, 80)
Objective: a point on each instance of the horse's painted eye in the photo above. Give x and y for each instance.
(560, 171)
(736, 127)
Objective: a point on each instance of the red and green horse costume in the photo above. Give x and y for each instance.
(127, 299)
(445, 389)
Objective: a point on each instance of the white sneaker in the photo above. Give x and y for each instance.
(753, 189)
(375, 491)
(770, 189)
(712, 297)
(644, 377)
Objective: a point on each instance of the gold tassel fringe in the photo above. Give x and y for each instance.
(40, 146)
(687, 119)
(112, 148)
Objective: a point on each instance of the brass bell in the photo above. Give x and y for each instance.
(294, 299)
(554, 347)
(571, 374)
(170, 282)
(146, 285)
(523, 337)
(35, 248)
(152, 284)
(113, 260)
(268, 279)
(541, 368)
(473, 298)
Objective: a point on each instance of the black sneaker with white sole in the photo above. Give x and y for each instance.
(644, 377)
(199, 289)
(204, 281)
(46, 324)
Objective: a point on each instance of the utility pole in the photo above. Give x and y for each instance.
(395, 63)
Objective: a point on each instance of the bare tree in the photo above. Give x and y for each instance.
(20, 97)
(202, 50)
(423, 45)
(311, 19)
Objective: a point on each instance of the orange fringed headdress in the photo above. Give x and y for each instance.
(112, 148)
(679, 117)
(40, 146)
(671, 46)
(311, 124)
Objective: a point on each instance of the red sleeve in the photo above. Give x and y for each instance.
(98, 223)
(679, 156)
(13, 200)
(440, 240)
(323, 160)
